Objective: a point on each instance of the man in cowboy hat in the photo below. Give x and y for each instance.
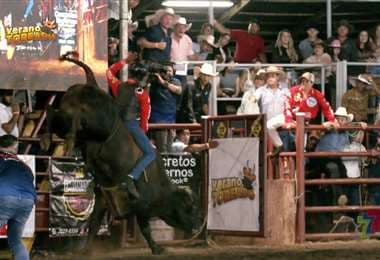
(272, 100)
(302, 98)
(306, 45)
(335, 141)
(157, 41)
(199, 92)
(249, 44)
(356, 99)
(182, 45)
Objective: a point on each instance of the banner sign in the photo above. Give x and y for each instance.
(71, 200)
(233, 199)
(30, 223)
(182, 169)
(33, 34)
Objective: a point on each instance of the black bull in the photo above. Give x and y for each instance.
(89, 119)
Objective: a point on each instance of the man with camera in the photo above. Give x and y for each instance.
(164, 92)
(9, 113)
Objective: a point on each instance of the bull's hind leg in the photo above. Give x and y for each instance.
(146, 231)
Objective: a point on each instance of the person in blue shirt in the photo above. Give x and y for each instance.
(164, 92)
(17, 194)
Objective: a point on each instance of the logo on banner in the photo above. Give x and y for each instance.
(15, 35)
(224, 190)
(79, 207)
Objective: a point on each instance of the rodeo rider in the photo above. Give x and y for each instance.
(137, 109)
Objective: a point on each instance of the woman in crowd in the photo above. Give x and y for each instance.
(365, 46)
(335, 50)
(319, 56)
(284, 51)
(221, 51)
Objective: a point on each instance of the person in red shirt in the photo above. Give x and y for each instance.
(249, 44)
(134, 104)
(302, 98)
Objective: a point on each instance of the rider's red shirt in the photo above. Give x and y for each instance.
(141, 96)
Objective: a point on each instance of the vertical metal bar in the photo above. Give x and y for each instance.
(210, 13)
(300, 140)
(205, 125)
(323, 84)
(329, 18)
(124, 36)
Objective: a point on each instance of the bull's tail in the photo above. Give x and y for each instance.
(90, 77)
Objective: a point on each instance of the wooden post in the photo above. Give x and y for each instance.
(300, 155)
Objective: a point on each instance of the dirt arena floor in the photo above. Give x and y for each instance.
(365, 250)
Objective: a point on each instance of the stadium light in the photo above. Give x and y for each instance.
(195, 4)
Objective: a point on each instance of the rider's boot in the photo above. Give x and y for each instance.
(129, 185)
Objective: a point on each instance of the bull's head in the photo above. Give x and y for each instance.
(185, 213)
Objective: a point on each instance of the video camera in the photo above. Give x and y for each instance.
(157, 67)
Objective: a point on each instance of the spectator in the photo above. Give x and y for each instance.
(356, 99)
(157, 41)
(302, 98)
(182, 143)
(349, 51)
(272, 96)
(374, 172)
(182, 49)
(133, 47)
(354, 165)
(249, 104)
(227, 82)
(319, 57)
(249, 44)
(306, 46)
(200, 91)
(17, 195)
(284, 51)
(221, 52)
(9, 113)
(365, 46)
(164, 91)
(182, 46)
(242, 83)
(207, 45)
(334, 141)
(375, 70)
(206, 30)
(335, 51)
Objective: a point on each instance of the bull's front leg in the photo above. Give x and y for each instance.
(143, 223)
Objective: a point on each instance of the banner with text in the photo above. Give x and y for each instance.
(33, 34)
(182, 169)
(233, 199)
(71, 200)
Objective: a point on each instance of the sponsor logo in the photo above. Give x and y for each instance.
(15, 35)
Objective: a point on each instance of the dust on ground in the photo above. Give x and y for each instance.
(361, 249)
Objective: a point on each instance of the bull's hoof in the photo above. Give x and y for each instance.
(158, 250)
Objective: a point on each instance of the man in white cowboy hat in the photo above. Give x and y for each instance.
(272, 98)
(302, 98)
(199, 92)
(334, 141)
(249, 44)
(356, 99)
(157, 41)
(182, 45)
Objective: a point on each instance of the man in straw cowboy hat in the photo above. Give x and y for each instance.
(356, 99)
(271, 97)
(157, 39)
(249, 44)
(199, 92)
(302, 98)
